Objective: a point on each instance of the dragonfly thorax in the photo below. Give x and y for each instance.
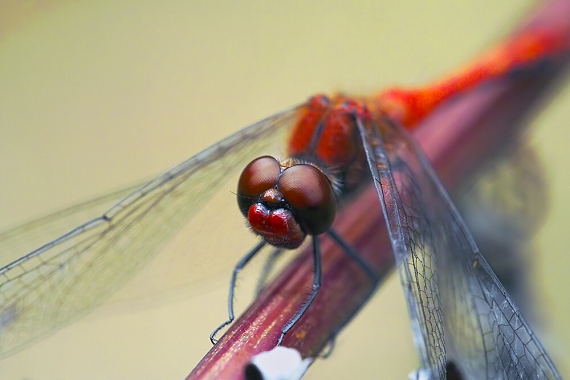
(326, 133)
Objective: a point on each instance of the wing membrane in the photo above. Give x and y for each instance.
(460, 312)
(67, 277)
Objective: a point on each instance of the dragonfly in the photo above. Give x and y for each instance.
(456, 309)
(68, 265)
(461, 314)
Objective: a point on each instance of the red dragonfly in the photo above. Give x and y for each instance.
(54, 270)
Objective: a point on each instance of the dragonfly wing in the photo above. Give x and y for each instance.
(460, 312)
(503, 209)
(21, 240)
(67, 277)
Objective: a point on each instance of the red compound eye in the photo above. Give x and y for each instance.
(310, 196)
(258, 176)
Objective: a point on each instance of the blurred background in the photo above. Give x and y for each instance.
(98, 95)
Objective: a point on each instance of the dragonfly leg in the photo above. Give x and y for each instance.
(239, 266)
(269, 263)
(353, 254)
(316, 286)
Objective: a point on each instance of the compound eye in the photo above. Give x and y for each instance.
(258, 176)
(310, 196)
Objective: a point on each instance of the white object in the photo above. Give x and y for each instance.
(281, 363)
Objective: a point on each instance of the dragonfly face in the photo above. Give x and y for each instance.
(284, 203)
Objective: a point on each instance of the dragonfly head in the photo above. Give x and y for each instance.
(283, 203)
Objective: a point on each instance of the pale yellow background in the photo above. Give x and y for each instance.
(95, 95)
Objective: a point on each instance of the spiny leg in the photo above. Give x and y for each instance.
(316, 286)
(239, 266)
(353, 254)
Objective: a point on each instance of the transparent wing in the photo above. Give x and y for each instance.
(459, 310)
(21, 240)
(503, 209)
(68, 276)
